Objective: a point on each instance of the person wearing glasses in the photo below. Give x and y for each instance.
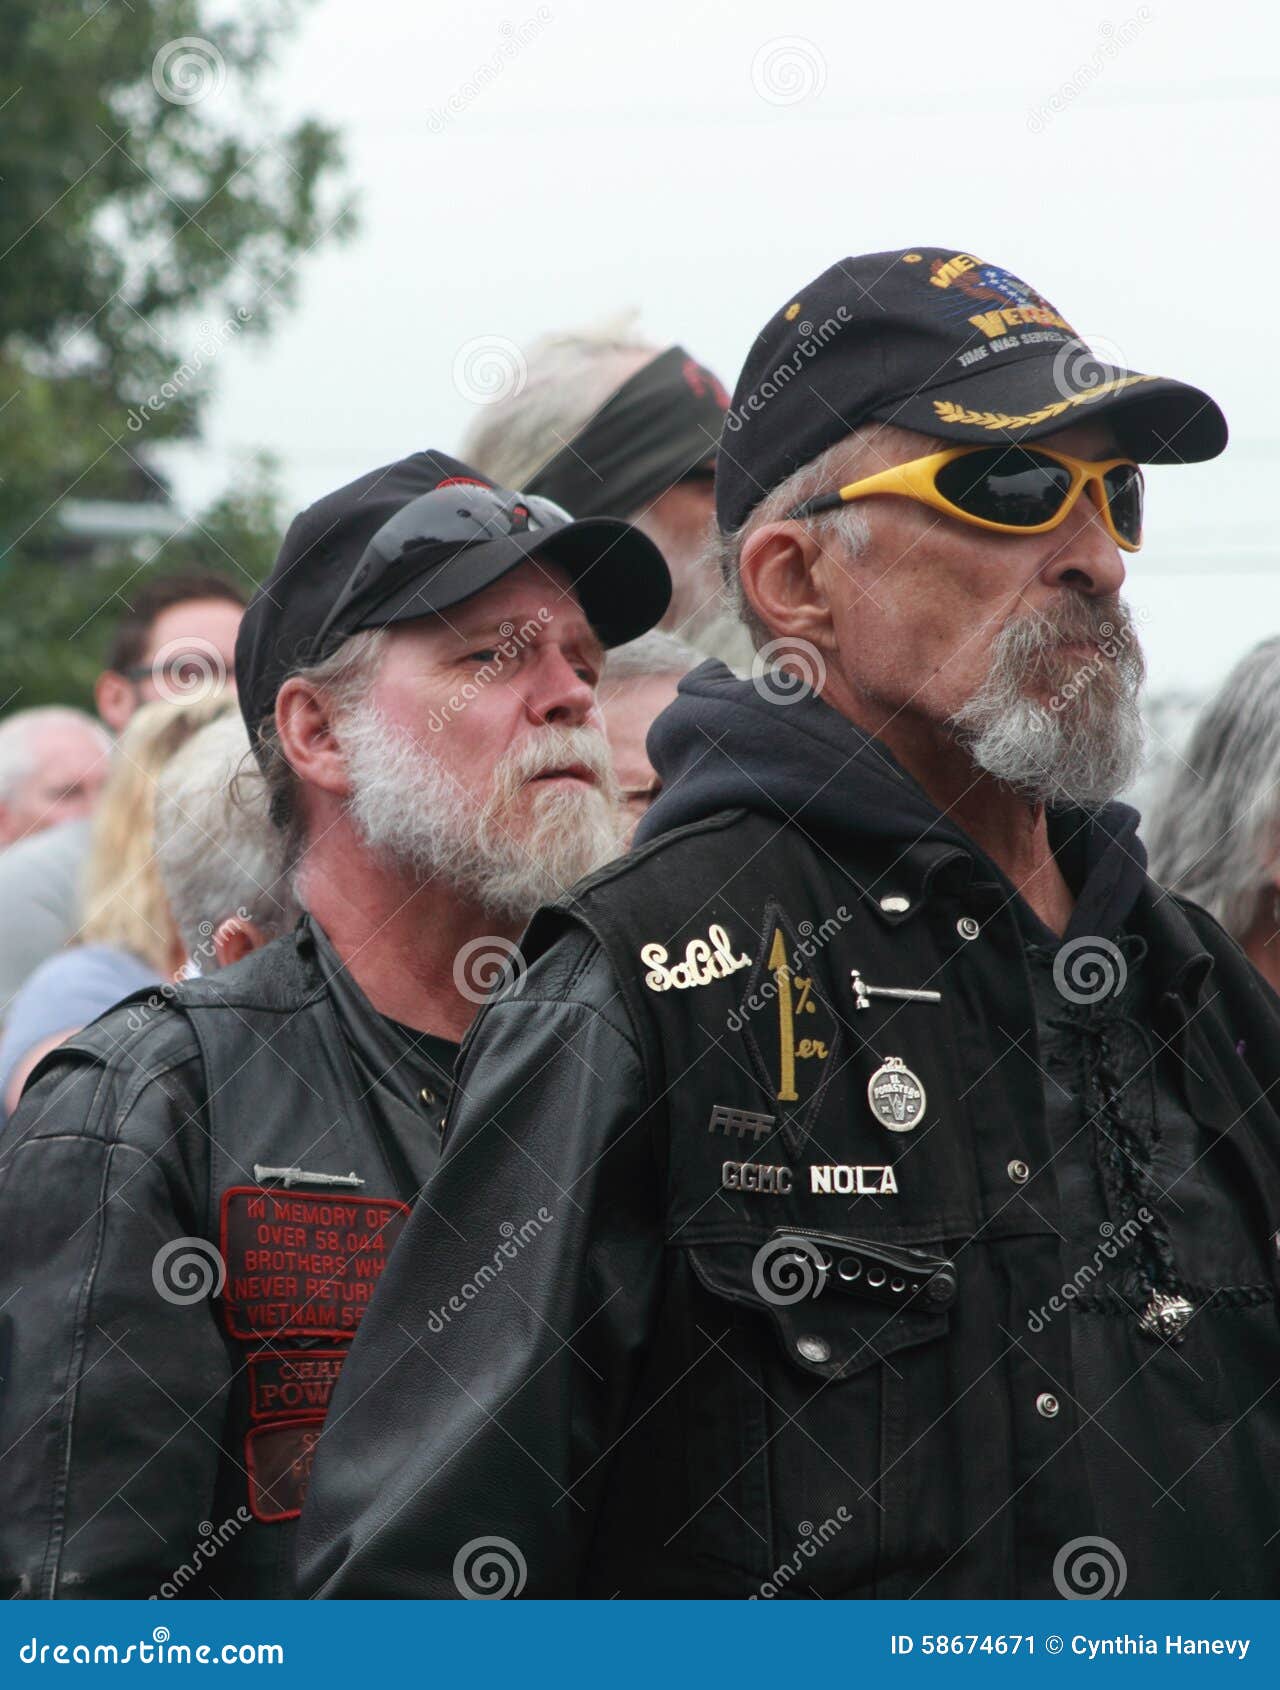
(200, 1191)
(914, 1160)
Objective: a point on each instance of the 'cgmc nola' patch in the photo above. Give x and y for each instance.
(300, 1265)
(791, 1030)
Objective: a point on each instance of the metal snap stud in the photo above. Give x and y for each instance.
(967, 927)
(1018, 1171)
(814, 1349)
(895, 904)
(1047, 1404)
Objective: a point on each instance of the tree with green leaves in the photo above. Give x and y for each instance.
(149, 212)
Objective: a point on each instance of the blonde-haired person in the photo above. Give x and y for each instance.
(127, 938)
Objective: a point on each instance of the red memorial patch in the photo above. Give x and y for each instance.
(303, 1266)
(279, 1461)
(292, 1382)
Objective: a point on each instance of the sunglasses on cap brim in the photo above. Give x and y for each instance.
(1007, 489)
(450, 518)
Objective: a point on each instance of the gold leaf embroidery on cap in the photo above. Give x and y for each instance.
(949, 412)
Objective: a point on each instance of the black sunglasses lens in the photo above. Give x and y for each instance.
(1124, 498)
(1019, 488)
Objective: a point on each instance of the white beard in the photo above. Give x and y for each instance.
(516, 849)
(1084, 744)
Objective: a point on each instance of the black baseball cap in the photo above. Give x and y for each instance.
(944, 343)
(415, 537)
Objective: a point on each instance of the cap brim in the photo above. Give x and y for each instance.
(619, 576)
(1156, 420)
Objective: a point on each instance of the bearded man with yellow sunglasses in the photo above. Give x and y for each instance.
(910, 1161)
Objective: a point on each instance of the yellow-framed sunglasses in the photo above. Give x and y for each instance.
(1007, 489)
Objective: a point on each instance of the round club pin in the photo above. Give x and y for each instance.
(896, 1096)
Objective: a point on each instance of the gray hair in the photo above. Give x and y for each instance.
(654, 653)
(216, 849)
(19, 756)
(346, 675)
(848, 527)
(1215, 834)
(569, 377)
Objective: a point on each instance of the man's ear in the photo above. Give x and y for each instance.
(114, 699)
(783, 580)
(234, 938)
(304, 723)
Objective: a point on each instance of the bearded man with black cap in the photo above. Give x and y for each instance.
(200, 1191)
(913, 1160)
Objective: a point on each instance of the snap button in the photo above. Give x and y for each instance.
(1047, 1404)
(427, 1095)
(1019, 1172)
(967, 927)
(895, 904)
(814, 1349)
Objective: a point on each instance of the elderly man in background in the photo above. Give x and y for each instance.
(53, 762)
(608, 424)
(221, 861)
(914, 1160)
(209, 1181)
(640, 681)
(1215, 829)
(176, 638)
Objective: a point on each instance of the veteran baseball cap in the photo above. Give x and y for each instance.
(944, 343)
(415, 537)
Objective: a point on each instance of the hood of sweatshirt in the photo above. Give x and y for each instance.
(724, 745)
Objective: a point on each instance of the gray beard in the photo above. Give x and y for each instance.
(1081, 742)
(413, 814)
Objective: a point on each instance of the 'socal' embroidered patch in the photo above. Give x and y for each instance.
(303, 1265)
(278, 1460)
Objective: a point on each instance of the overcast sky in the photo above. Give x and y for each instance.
(531, 166)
